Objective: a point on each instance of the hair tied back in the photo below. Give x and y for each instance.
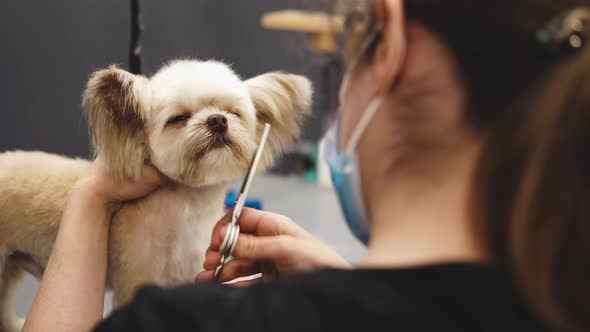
(566, 33)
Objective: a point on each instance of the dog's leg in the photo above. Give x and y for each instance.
(126, 280)
(126, 284)
(11, 274)
(121, 296)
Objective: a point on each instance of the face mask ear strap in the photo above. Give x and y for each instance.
(363, 123)
(378, 101)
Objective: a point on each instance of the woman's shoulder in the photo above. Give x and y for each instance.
(447, 297)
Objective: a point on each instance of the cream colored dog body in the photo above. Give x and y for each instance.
(196, 122)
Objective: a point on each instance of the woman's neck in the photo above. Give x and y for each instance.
(419, 222)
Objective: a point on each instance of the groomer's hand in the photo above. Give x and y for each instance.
(71, 292)
(103, 187)
(270, 244)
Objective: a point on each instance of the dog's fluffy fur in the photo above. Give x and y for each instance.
(163, 120)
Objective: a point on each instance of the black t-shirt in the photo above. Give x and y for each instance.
(453, 297)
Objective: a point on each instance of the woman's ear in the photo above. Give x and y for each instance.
(391, 50)
(116, 104)
(282, 100)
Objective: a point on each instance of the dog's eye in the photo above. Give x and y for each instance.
(234, 112)
(178, 119)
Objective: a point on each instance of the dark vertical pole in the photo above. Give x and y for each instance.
(135, 47)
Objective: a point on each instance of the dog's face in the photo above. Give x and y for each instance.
(195, 121)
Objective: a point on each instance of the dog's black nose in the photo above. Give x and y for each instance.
(217, 122)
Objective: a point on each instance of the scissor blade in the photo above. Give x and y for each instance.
(251, 173)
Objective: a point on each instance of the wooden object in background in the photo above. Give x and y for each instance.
(322, 28)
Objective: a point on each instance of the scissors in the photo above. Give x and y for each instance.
(233, 229)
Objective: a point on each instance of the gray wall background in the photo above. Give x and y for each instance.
(49, 48)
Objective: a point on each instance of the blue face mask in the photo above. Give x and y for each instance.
(345, 173)
(345, 165)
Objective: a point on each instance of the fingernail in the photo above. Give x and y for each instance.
(202, 277)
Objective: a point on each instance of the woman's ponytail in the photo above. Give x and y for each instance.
(532, 194)
(549, 235)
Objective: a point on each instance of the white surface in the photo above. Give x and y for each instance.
(314, 208)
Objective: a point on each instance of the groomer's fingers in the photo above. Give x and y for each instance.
(267, 223)
(219, 228)
(253, 248)
(212, 259)
(232, 270)
(149, 180)
(114, 189)
(257, 222)
(273, 248)
(205, 276)
(238, 268)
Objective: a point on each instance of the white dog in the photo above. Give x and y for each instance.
(196, 122)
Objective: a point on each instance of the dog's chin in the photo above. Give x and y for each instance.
(222, 163)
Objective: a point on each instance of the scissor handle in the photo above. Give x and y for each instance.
(227, 247)
(240, 203)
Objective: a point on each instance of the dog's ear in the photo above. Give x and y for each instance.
(116, 104)
(282, 100)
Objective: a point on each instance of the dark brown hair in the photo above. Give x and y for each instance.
(529, 192)
(531, 195)
(546, 244)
